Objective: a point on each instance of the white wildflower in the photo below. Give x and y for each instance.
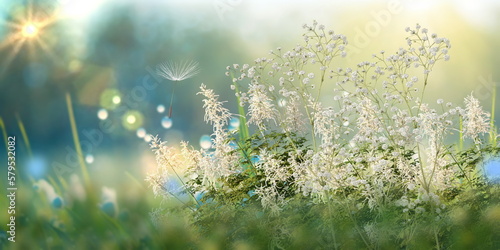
(260, 107)
(476, 121)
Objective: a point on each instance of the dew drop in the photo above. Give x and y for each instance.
(166, 122)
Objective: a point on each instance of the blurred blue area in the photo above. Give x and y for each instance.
(36, 167)
(492, 170)
(109, 208)
(57, 202)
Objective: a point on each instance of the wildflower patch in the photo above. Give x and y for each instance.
(373, 154)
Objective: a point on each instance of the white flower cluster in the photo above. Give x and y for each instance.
(378, 142)
(476, 121)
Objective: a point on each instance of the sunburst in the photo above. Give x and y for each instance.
(27, 32)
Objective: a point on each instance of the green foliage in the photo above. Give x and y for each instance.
(239, 186)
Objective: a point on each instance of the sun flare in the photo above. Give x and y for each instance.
(29, 30)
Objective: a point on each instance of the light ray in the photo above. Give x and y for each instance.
(43, 45)
(11, 56)
(9, 40)
(28, 31)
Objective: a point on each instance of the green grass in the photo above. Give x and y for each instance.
(24, 134)
(469, 225)
(76, 139)
(4, 131)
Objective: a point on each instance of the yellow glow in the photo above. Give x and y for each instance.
(29, 30)
(131, 119)
(116, 99)
(28, 26)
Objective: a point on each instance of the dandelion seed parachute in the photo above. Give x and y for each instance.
(176, 72)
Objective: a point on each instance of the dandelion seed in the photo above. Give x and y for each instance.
(176, 72)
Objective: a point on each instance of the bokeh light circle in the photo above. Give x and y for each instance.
(160, 108)
(110, 99)
(205, 142)
(166, 122)
(141, 132)
(89, 159)
(102, 114)
(132, 120)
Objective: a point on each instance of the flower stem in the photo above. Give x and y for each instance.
(493, 132)
(244, 134)
(171, 101)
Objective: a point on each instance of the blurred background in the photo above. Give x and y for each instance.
(103, 54)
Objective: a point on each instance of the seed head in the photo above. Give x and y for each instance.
(177, 71)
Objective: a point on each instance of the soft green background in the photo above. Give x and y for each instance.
(87, 47)
(90, 46)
